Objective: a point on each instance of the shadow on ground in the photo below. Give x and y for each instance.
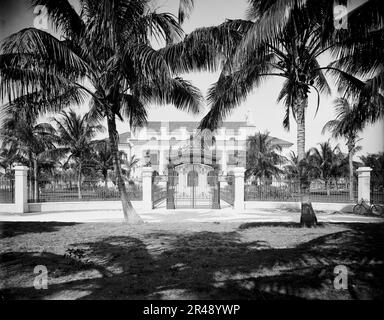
(164, 264)
(7, 230)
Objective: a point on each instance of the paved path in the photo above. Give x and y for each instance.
(199, 215)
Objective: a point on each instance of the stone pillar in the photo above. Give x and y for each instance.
(147, 188)
(21, 189)
(239, 188)
(364, 183)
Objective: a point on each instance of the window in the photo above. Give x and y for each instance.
(192, 179)
(233, 157)
(211, 179)
(154, 159)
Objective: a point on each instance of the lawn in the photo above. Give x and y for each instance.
(191, 261)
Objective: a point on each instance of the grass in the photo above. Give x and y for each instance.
(191, 261)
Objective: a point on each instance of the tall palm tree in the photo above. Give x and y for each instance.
(327, 163)
(293, 55)
(75, 134)
(345, 126)
(104, 52)
(263, 157)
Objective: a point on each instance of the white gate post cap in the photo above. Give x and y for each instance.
(147, 171)
(20, 168)
(363, 170)
(238, 171)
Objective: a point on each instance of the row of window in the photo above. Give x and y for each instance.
(233, 157)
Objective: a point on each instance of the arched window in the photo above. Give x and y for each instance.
(192, 179)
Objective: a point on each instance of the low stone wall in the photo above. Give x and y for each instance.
(7, 207)
(69, 206)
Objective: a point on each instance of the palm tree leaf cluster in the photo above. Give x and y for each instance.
(104, 52)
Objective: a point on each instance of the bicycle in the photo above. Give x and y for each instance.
(364, 208)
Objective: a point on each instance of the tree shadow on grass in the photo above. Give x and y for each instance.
(13, 229)
(217, 265)
(250, 225)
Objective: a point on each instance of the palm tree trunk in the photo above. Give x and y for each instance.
(350, 162)
(300, 117)
(79, 182)
(327, 188)
(35, 182)
(130, 214)
(308, 217)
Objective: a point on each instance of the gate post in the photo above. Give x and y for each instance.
(147, 188)
(21, 189)
(216, 190)
(239, 188)
(364, 184)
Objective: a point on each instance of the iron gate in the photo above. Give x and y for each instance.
(194, 192)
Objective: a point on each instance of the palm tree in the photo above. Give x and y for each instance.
(281, 38)
(303, 171)
(185, 8)
(104, 52)
(359, 54)
(8, 157)
(358, 48)
(263, 157)
(102, 159)
(129, 164)
(326, 163)
(28, 139)
(293, 55)
(345, 126)
(75, 134)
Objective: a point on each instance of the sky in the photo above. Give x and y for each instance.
(267, 115)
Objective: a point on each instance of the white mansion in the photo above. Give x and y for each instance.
(162, 143)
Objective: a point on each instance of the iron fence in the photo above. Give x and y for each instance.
(377, 194)
(292, 190)
(227, 189)
(62, 190)
(7, 190)
(159, 190)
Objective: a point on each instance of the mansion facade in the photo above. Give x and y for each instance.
(162, 144)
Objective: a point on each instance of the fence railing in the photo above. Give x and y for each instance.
(90, 190)
(377, 194)
(159, 190)
(291, 190)
(7, 190)
(227, 189)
